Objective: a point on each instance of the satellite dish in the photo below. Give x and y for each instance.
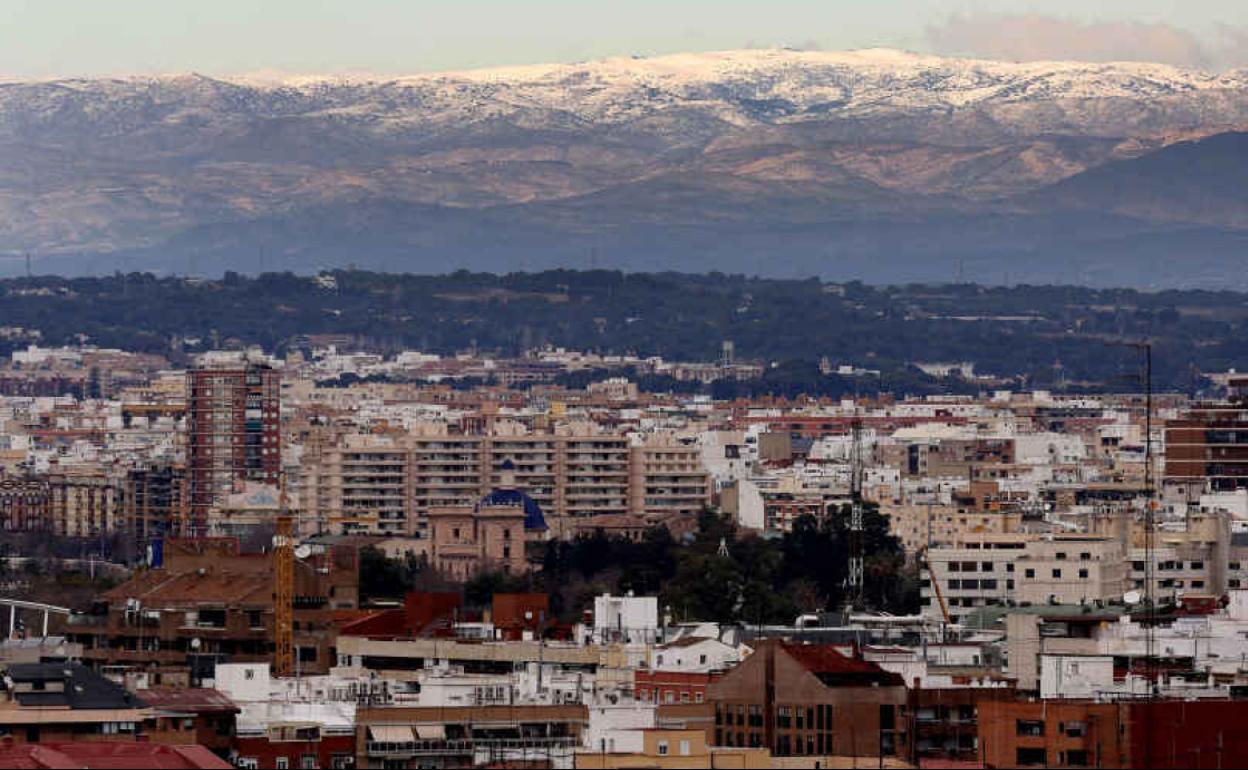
(1131, 597)
(195, 643)
(303, 552)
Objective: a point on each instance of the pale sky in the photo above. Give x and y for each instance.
(42, 38)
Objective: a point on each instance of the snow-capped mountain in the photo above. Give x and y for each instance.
(116, 167)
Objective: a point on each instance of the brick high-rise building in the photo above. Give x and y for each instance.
(233, 431)
(1208, 447)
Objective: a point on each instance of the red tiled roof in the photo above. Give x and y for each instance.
(196, 700)
(161, 588)
(107, 755)
(825, 659)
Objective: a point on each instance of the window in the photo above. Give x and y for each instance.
(684, 748)
(1030, 728)
(662, 748)
(1031, 573)
(986, 566)
(1085, 556)
(308, 762)
(1030, 757)
(1083, 573)
(1076, 758)
(1057, 573)
(1061, 556)
(282, 763)
(784, 717)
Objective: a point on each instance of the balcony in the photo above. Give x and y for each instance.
(468, 746)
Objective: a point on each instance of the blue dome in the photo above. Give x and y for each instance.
(533, 518)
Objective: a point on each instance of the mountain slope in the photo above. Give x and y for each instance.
(639, 160)
(1199, 182)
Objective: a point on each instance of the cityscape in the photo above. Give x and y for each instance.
(566, 386)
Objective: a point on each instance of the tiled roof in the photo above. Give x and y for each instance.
(83, 688)
(160, 587)
(835, 669)
(197, 700)
(110, 754)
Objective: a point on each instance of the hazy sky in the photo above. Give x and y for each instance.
(92, 37)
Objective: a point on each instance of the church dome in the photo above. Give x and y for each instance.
(533, 517)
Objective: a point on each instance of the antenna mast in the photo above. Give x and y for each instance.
(856, 527)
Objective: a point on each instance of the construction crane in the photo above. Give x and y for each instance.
(284, 589)
(857, 548)
(931, 576)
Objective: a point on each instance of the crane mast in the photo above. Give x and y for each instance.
(284, 590)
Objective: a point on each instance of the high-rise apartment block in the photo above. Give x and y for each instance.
(233, 430)
(371, 484)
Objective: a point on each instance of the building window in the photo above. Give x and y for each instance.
(784, 717)
(1030, 573)
(662, 748)
(1030, 757)
(1083, 573)
(684, 748)
(282, 763)
(1030, 728)
(1057, 573)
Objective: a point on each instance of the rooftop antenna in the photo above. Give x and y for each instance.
(856, 555)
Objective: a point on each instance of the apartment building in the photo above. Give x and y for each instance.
(233, 433)
(86, 504)
(1208, 447)
(1072, 569)
(809, 700)
(668, 477)
(977, 572)
(988, 570)
(918, 526)
(388, 484)
(25, 504)
(151, 499)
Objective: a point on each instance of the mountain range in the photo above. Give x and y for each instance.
(881, 165)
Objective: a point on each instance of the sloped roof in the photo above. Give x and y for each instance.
(83, 688)
(832, 667)
(161, 587)
(195, 700)
(109, 754)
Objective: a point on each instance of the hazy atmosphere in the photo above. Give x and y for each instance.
(83, 37)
